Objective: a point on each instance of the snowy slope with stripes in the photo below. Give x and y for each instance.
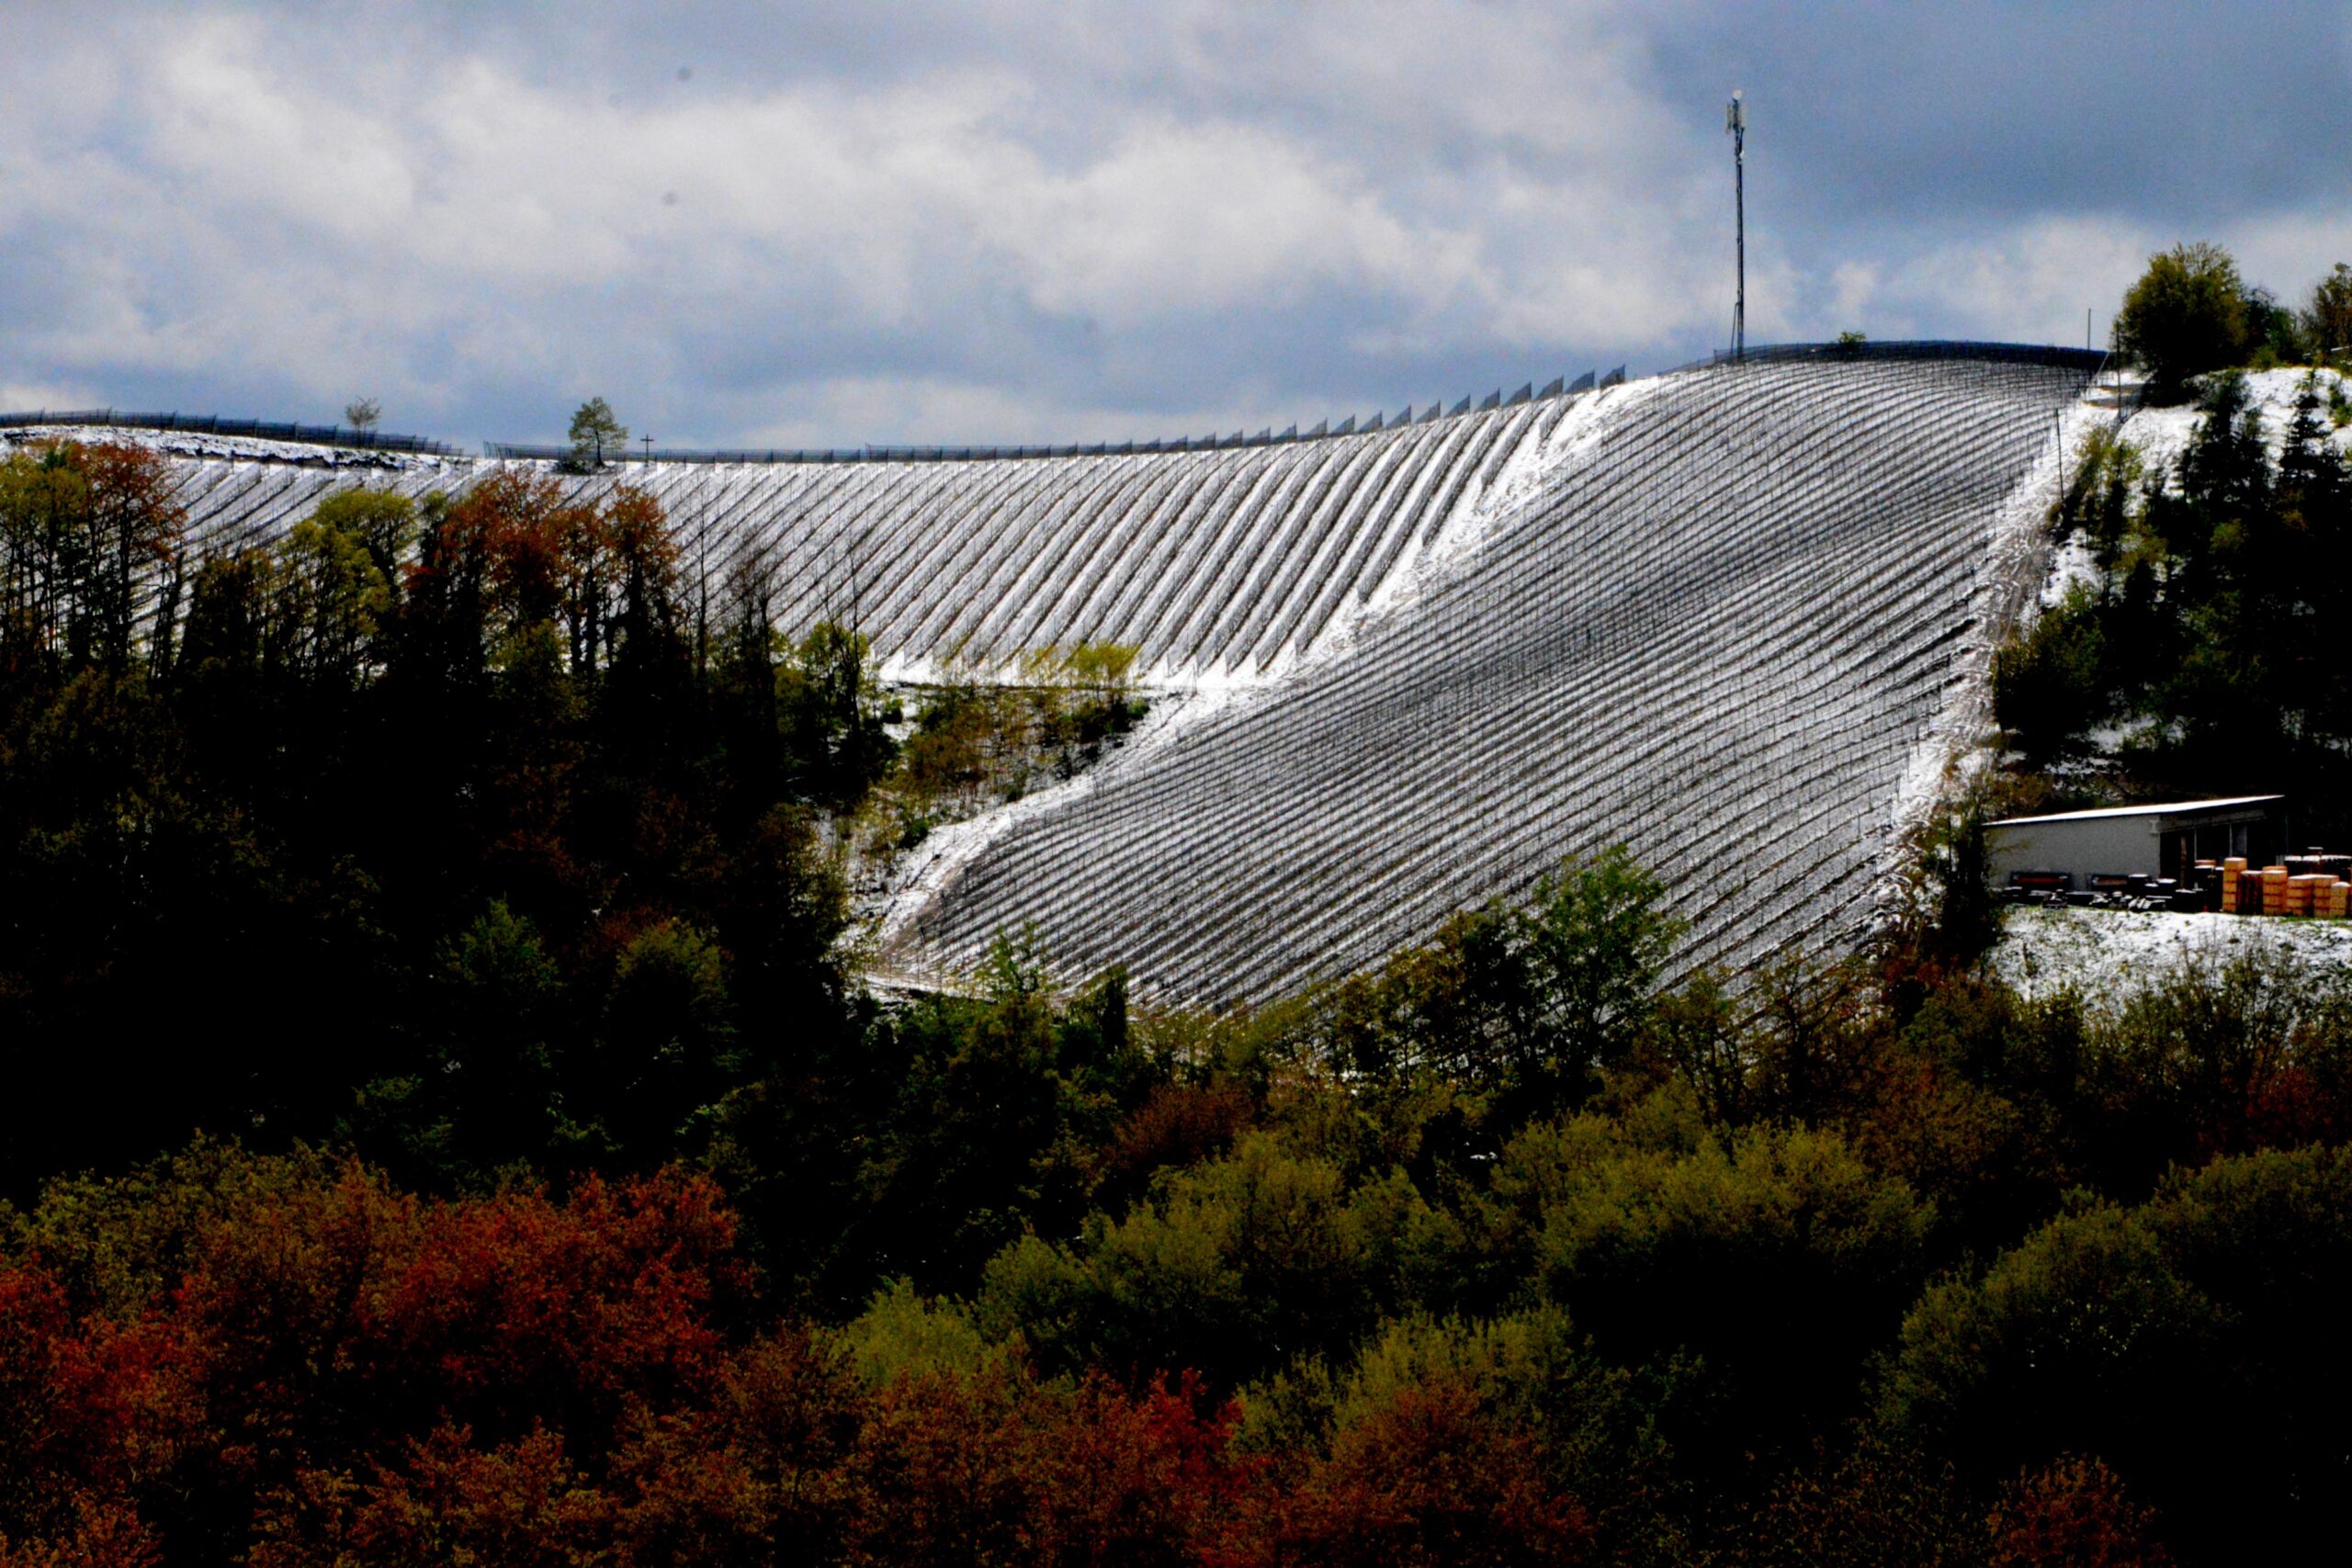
(1725, 619)
(1733, 619)
(1220, 564)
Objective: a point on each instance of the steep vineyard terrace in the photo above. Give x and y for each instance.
(1735, 618)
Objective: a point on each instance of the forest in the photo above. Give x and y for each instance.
(445, 1123)
(2193, 659)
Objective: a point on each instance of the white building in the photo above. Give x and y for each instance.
(2159, 841)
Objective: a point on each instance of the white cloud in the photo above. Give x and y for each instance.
(1029, 218)
(2027, 283)
(2290, 251)
(33, 397)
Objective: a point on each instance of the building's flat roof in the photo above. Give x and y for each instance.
(2167, 808)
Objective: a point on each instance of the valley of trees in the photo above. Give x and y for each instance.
(445, 1123)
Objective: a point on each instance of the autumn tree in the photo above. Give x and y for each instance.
(86, 533)
(1428, 1479)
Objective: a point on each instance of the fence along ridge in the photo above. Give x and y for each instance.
(418, 445)
(549, 452)
(1324, 430)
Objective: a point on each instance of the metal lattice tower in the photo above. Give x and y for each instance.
(1736, 122)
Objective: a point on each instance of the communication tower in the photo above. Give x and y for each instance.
(1735, 123)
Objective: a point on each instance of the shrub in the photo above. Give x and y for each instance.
(1774, 1255)
(2073, 1513)
(2193, 1343)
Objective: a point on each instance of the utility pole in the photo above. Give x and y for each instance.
(1736, 122)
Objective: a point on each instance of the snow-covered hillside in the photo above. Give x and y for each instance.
(1736, 618)
(2161, 435)
(1738, 624)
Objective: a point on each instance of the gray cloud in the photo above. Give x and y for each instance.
(838, 222)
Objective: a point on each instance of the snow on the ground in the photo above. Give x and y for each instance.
(922, 872)
(2111, 954)
(2074, 564)
(1950, 752)
(2161, 435)
(200, 445)
(1460, 537)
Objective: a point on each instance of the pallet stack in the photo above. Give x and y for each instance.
(2299, 893)
(2280, 890)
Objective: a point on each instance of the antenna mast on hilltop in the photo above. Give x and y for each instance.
(1736, 122)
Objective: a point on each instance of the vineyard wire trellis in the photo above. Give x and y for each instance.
(247, 429)
(1727, 609)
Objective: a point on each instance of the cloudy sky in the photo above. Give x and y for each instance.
(932, 220)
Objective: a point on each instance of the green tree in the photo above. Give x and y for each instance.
(495, 1087)
(2184, 316)
(1596, 940)
(2274, 334)
(595, 435)
(2193, 1343)
(2052, 686)
(2327, 319)
(382, 521)
(44, 544)
(1776, 1255)
(666, 1051)
(332, 599)
(832, 713)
